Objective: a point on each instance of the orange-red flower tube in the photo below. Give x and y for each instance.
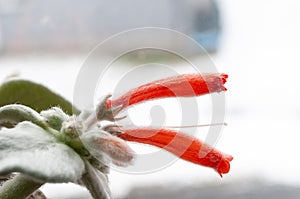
(181, 145)
(186, 85)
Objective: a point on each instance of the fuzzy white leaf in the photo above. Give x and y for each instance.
(29, 149)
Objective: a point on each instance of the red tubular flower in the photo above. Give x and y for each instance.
(186, 85)
(181, 145)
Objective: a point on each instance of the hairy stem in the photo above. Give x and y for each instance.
(19, 187)
(96, 182)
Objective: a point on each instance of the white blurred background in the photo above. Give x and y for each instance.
(258, 46)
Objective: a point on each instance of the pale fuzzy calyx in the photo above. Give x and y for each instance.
(106, 147)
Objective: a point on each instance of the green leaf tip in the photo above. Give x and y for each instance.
(12, 114)
(34, 95)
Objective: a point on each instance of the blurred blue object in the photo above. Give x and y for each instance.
(75, 25)
(207, 27)
(208, 39)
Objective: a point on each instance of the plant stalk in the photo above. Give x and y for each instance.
(19, 187)
(96, 182)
